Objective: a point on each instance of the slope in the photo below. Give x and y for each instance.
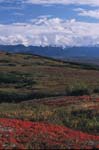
(25, 77)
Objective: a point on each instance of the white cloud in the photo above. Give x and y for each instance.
(50, 31)
(53, 2)
(88, 13)
(64, 2)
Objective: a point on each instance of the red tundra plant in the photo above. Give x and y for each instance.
(66, 100)
(17, 134)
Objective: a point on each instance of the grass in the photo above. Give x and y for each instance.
(73, 115)
(39, 89)
(43, 77)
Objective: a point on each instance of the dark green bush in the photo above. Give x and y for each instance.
(15, 79)
(96, 90)
(18, 97)
(78, 89)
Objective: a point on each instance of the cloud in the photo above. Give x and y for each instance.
(88, 13)
(50, 31)
(52, 2)
(11, 4)
(64, 2)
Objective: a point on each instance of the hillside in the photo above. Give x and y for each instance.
(53, 104)
(89, 55)
(25, 76)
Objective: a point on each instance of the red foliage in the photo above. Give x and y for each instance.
(66, 100)
(21, 134)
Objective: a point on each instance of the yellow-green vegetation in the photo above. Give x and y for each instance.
(24, 77)
(74, 116)
(29, 77)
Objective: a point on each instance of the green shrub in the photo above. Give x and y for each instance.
(96, 90)
(78, 89)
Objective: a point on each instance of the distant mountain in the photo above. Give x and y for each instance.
(72, 53)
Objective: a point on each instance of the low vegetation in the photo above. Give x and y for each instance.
(47, 104)
(37, 77)
(78, 113)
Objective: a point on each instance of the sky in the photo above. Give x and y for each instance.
(49, 22)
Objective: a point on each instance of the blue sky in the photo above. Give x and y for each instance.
(49, 22)
(16, 11)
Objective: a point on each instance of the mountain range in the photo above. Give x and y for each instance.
(80, 54)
